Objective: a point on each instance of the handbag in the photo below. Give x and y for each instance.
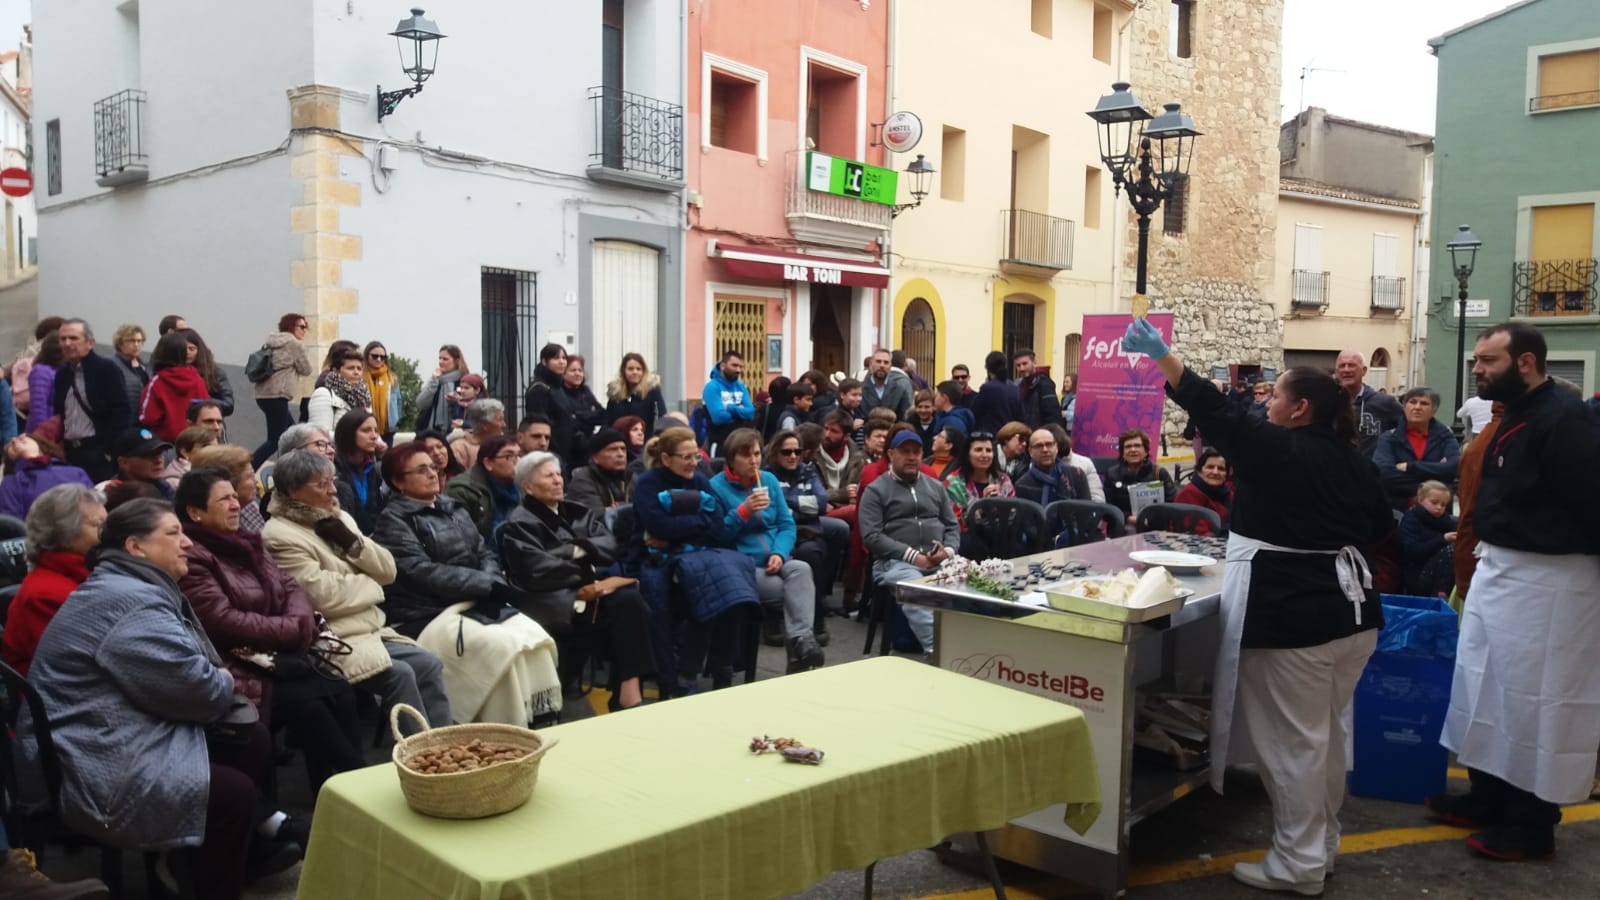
(233, 728)
(258, 367)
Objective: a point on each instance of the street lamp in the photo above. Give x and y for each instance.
(418, 40)
(1463, 256)
(1123, 123)
(920, 171)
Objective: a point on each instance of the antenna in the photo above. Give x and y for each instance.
(1305, 70)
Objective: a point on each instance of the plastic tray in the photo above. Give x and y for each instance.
(1115, 612)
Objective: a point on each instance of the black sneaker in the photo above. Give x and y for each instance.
(804, 654)
(821, 634)
(269, 856)
(1508, 843)
(296, 831)
(772, 630)
(1462, 810)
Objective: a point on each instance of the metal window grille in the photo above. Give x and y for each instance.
(1554, 287)
(52, 153)
(510, 344)
(1016, 329)
(635, 133)
(1310, 288)
(1173, 209)
(919, 336)
(740, 324)
(119, 132)
(1388, 292)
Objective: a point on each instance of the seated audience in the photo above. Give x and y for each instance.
(485, 419)
(1210, 485)
(207, 414)
(757, 523)
(820, 542)
(943, 445)
(633, 429)
(1049, 477)
(264, 625)
(189, 440)
(357, 446)
(1426, 535)
(448, 594)
(142, 456)
(1011, 449)
(533, 432)
(131, 683)
(236, 460)
(1420, 450)
(556, 552)
(63, 525)
(1078, 461)
(605, 481)
(909, 526)
(33, 465)
(1134, 466)
(343, 574)
(489, 490)
(971, 477)
(438, 445)
(947, 408)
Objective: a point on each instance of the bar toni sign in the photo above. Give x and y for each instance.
(847, 178)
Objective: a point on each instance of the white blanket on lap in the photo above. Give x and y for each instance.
(504, 673)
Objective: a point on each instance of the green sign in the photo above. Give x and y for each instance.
(848, 178)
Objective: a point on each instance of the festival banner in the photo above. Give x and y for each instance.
(1116, 390)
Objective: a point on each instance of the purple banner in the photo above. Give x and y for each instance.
(1116, 390)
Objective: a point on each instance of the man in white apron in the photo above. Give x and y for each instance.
(1525, 704)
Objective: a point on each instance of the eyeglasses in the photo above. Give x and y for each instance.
(430, 468)
(1262, 392)
(506, 456)
(960, 377)
(299, 326)
(789, 451)
(320, 445)
(323, 484)
(380, 357)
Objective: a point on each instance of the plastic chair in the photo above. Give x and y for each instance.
(880, 612)
(12, 527)
(1184, 518)
(620, 521)
(1008, 526)
(33, 827)
(7, 594)
(1085, 521)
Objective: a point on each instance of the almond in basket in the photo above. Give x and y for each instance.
(467, 757)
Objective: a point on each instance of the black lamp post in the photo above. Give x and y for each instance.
(1463, 256)
(920, 171)
(1126, 133)
(418, 39)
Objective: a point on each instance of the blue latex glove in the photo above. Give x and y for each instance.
(1142, 337)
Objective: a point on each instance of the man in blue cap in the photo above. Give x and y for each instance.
(141, 456)
(908, 525)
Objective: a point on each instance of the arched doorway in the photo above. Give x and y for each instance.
(919, 337)
(1072, 354)
(1378, 370)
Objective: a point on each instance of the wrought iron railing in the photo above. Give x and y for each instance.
(119, 133)
(800, 200)
(1035, 239)
(1388, 292)
(635, 133)
(1561, 101)
(1310, 288)
(1554, 287)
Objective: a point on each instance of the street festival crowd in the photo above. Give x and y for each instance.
(186, 598)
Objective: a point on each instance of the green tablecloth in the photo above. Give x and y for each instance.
(667, 801)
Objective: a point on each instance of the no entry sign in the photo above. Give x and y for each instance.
(16, 182)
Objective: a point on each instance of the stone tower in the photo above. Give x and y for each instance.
(1221, 59)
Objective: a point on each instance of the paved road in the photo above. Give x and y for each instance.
(1184, 853)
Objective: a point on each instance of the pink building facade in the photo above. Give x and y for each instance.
(784, 259)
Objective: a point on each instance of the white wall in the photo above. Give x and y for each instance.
(13, 152)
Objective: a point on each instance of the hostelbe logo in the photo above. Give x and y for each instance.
(1004, 670)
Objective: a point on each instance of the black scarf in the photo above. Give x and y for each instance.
(1219, 494)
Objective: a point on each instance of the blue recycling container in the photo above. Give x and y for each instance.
(1401, 701)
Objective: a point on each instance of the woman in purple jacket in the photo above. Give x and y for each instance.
(33, 465)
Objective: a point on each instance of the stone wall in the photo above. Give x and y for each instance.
(1217, 275)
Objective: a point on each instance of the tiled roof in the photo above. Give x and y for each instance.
(1317, 188)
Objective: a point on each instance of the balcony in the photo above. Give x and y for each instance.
(1562, 101)
(1553, 287)
(1388, 292)
(1034, 244)
(1309, 288)
(638, 140)
(119, 156)
(822, 218)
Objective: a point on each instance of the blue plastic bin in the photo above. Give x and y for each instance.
(1401, 701)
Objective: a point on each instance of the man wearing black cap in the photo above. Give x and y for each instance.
(140, 456)
(604, 482)
(908, 525)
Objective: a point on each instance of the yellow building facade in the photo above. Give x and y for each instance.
(1015, 240)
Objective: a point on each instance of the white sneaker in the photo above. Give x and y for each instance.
(1253, 875)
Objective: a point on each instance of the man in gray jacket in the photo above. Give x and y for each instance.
(908, 525)
(885, 386)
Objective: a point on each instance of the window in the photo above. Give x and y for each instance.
(1174, 209)
(1042, 16)
(1568, 79)
(1558, 278)
(733, 104)
(509, 300)
(1091, 197)
(52, 152)
(953, 164)
(1102, 34)
(1309, 282)
(1180, 28)
(1016, 328)
(831, 105)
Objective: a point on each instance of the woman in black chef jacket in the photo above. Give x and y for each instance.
(1299, 615)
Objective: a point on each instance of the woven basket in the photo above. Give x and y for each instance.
(477, 794)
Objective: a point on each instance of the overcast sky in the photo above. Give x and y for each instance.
(1379, 48)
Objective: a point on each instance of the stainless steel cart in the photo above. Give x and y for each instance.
(1096, 665)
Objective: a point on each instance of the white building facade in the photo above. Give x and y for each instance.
(226, 162)
(21, 228)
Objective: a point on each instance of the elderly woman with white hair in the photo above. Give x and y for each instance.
(63, 525)
(318, 545)
(485, 419)
(557, 552)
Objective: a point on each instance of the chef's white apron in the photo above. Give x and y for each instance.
(1354, 576)
(1525, 703)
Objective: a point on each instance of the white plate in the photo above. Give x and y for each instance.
(1172, 560)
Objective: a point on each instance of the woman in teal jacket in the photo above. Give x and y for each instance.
(759, 525)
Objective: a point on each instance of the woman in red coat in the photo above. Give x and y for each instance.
(1211, 485)
(164, 409)
(62, 525)
(263, 624)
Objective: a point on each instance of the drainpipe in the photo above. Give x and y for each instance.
(886, 305)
